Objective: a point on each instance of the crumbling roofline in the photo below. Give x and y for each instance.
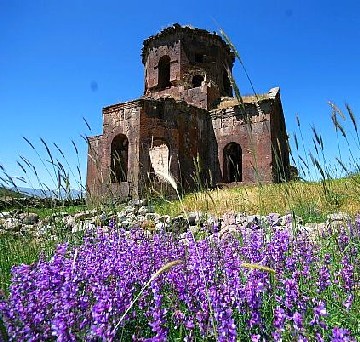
(186, 30)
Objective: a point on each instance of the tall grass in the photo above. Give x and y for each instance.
(20, 251)
(306, 199)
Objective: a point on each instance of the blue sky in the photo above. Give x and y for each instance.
(61, 61)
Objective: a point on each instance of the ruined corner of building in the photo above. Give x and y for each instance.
(188, 126)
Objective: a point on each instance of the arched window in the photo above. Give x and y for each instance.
(226, 83)
(159, 157)
(164, 72)
(199, 58)
(119, 159)
(232, 163)
(197, 80)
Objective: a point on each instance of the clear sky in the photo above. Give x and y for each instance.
(64, 60)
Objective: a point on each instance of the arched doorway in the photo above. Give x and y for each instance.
(232, 163)
(119, 159)
(164, 73)
(197, 80)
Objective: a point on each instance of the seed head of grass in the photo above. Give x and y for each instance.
(258, 267)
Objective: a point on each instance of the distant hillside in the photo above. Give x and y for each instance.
(28, 192)
(4, 192)
(50, 193)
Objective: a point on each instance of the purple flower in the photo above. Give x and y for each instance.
(279, 318)
(347, 273)
(343, 239)
(291, 293)
(255, 338)
(158, 313)
(348, 302)
(298, 321)
(319, 312)
(324, 274)
(100, 290)
(340, 335)
(302, 338)
(226, 326)
(324, 278)
(319, 338)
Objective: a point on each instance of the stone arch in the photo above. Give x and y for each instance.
(119, 159)
(232, 158)
(159, 153)
(164, 73)
(226, 83)
(197, 80)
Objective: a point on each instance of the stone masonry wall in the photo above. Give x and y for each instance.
(279, 140)
(230, 125)
(186, 131)
(118, 119)
(93, 174)
(191, 53)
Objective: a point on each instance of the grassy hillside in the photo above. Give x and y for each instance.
(311, 200)
(9, 193)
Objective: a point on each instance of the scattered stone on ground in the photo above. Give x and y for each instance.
(138, 213)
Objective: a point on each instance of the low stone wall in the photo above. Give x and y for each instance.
(138, 214)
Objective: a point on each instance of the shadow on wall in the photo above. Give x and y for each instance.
(232, 163)
(119, 159)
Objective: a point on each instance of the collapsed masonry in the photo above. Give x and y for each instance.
(187, 123)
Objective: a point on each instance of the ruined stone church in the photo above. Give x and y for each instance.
(188, 123)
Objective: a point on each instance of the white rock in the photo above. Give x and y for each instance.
(69, 222)
(142, 210)
(340, 216)
(5, 214)
(159, 226)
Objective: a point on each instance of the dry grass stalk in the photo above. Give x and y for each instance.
(258, 267)
(163, 269)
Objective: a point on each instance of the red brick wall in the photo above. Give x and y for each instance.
(254, 138)
(187, 118)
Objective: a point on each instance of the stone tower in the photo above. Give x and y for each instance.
(187, 124)
(187, 64)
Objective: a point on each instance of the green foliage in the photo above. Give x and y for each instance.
(47, 212)
(16, 251)
(7, 193)
(309, 212)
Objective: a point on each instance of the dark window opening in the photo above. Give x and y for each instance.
(227, 83)
(164, 73)
(197, 80)
(199, 58)
(232, 163)
(119, 159)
